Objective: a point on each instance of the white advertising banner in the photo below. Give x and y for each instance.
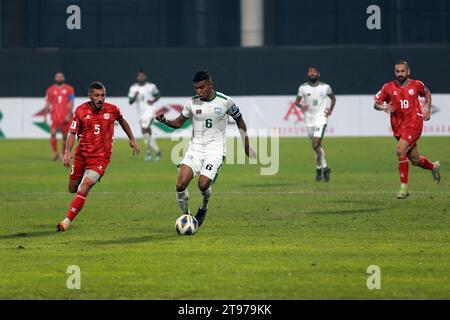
(353, 116)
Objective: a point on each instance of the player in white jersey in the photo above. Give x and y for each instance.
(144, 95)
(317, 101)
(209, 111)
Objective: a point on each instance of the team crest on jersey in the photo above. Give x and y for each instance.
(64, 91)
(88, 117)
(411, 92)
(321, 93)
(217, 110)
(395, 93)
(106, 116)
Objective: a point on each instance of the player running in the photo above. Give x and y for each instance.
(314, 99)
(93, 123)
(144, 95)
(59, 103)
(400, 98)
(209, 111)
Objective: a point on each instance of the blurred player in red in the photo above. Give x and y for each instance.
(93, 123)
(400, 98)
(59, 103)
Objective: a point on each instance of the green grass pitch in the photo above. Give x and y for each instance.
(265, 237)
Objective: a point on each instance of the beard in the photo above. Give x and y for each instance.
(313, 79)
(401, 79)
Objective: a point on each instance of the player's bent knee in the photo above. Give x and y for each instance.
(203, 185)
(93, 176)
(181, 186)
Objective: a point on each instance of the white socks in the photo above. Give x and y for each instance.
(153, 144)
(182, 198)
(205, 198)
(324, 162)
(320, 158)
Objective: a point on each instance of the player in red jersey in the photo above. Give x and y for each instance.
(93, 123)
(59, 103)
(400, 98)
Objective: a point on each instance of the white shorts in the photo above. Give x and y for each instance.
(146, 119)
(317, 131)
(203, 164)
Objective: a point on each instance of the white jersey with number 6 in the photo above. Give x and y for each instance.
(317, 99)
(209, 120)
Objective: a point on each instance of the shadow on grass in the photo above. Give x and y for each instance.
(28, 234)
(348, 211)
(148, 238)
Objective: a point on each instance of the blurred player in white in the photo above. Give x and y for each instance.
(209, 111)
(317, 101)
(144, 95)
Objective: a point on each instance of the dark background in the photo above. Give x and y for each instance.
(172, 39)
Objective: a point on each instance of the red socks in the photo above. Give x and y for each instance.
(76, 205)
(403, 167)
(53, 142)
(426, 164)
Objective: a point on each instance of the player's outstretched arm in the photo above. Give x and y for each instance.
(249, 151)
(68, 152)
(126, 128)
(175, 124)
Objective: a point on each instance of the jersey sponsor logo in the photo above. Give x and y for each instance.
(217, 110)
(106, 116)
(411, 92)
(198, 111)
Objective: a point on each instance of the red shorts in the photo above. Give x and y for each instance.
(81, 163)
(409, 134)
(60, 125)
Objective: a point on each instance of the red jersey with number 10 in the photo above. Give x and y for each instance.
(405, 100)
(95, 129)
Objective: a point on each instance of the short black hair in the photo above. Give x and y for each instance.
(141, 71)
(201, 75)
(313, 66)
(96, 86)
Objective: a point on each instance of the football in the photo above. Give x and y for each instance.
(186, 225)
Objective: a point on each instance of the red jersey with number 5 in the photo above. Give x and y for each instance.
(59, 98)
(405, 100)
(95, 129)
